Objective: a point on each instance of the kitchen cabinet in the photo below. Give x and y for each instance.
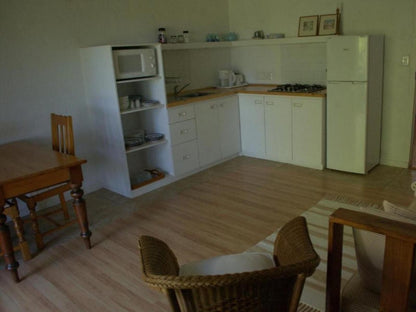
(287, 129)
(123, 168)
(183, 139)
(278, 128)
(218, 129)
(252, 121)
(308, 132)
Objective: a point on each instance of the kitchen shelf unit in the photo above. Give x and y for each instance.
(244, 43)
(120, 166)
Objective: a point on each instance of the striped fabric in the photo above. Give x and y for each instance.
(313, 294)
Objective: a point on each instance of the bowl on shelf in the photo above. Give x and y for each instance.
(134, 139)
(154, 137)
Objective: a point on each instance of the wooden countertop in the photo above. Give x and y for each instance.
(261, 89)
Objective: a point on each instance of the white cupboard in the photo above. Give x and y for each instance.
(183, 139)
(308, 132)
(252, 122)
(278, 128)
(218, 128)
(287, 129)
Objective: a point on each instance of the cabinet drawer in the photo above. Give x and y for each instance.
(181, 113)
(184, 131)
(185, 157)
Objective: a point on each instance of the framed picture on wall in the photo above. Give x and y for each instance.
(328, 24)
(308, 26)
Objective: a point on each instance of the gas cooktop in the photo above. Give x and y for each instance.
(298, 88)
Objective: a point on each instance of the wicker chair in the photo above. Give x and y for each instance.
(275, 289)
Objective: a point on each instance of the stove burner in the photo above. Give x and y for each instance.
(298, 88)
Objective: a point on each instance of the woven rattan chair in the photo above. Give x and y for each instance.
(275, 289)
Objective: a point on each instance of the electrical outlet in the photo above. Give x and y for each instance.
(405, 60)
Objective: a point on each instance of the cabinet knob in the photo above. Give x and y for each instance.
(212, 106)
(182, 114)
(185, 157)
(184, 131)
(222, 105)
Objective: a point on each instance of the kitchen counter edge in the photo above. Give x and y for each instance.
(250, 89)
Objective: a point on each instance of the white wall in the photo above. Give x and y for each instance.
(394, 19)
(39, 56)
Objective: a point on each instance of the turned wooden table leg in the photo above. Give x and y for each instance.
(397, 272)
(7, 247)
(81, 212)
(31, 204)
(333, 276)
(13, 212)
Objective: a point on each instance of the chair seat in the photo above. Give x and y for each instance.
(229, 264)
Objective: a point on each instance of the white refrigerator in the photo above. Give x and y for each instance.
(354, 102)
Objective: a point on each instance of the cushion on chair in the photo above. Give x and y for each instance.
(408, 213)
(228, 264)
(369, 247)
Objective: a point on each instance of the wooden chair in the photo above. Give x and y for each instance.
(275, 289)
(63, 142)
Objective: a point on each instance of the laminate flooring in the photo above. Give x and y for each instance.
(224, 209)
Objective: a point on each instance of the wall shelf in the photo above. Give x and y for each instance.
(137, 79)
(145, 146)
(244, 43)
(134, 110)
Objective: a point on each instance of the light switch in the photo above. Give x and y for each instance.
(405, 60)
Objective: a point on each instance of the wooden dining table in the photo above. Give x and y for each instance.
(27, 167)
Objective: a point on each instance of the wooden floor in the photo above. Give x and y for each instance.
(225, 209)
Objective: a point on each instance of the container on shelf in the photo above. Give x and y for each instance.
(186, 36)
(162, 35)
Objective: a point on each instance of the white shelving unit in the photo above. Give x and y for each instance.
(121, 166)
(244, 43)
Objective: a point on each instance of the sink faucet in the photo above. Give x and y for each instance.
(176, 91)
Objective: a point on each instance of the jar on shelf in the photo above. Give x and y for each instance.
(186, 38)
(162, 35)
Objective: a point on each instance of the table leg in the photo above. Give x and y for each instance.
(80, 210)
(13, 213)
(7, 248)
(397, 271)
(333, 275)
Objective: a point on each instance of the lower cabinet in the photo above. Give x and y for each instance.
(308, 132)
(183, 139)
(287, 129)
(218, 128)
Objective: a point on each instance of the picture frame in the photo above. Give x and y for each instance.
(308, 26)
(328, 24)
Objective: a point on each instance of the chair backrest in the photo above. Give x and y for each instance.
(275, 289)
(62, 134)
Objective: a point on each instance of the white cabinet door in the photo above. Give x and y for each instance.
(207, 124)
(229, 126)
(308, 116)
(278, 125)
(252, 125)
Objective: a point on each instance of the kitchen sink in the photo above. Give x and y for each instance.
(194, 94)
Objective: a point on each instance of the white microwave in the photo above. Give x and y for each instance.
(134, 63)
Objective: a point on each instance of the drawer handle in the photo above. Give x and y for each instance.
(184, 131)
(187, 156)
(258, 102)
(222, 105)
(269, 103)
(297, 104)
(182, 114)
(212, 106)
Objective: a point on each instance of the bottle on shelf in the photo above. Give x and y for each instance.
(162, 35)
(186, 36)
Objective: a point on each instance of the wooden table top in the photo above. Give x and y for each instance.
(24, 159)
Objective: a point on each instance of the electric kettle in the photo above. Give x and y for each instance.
(227, 78)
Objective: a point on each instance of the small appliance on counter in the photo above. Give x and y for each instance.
(229, 79)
